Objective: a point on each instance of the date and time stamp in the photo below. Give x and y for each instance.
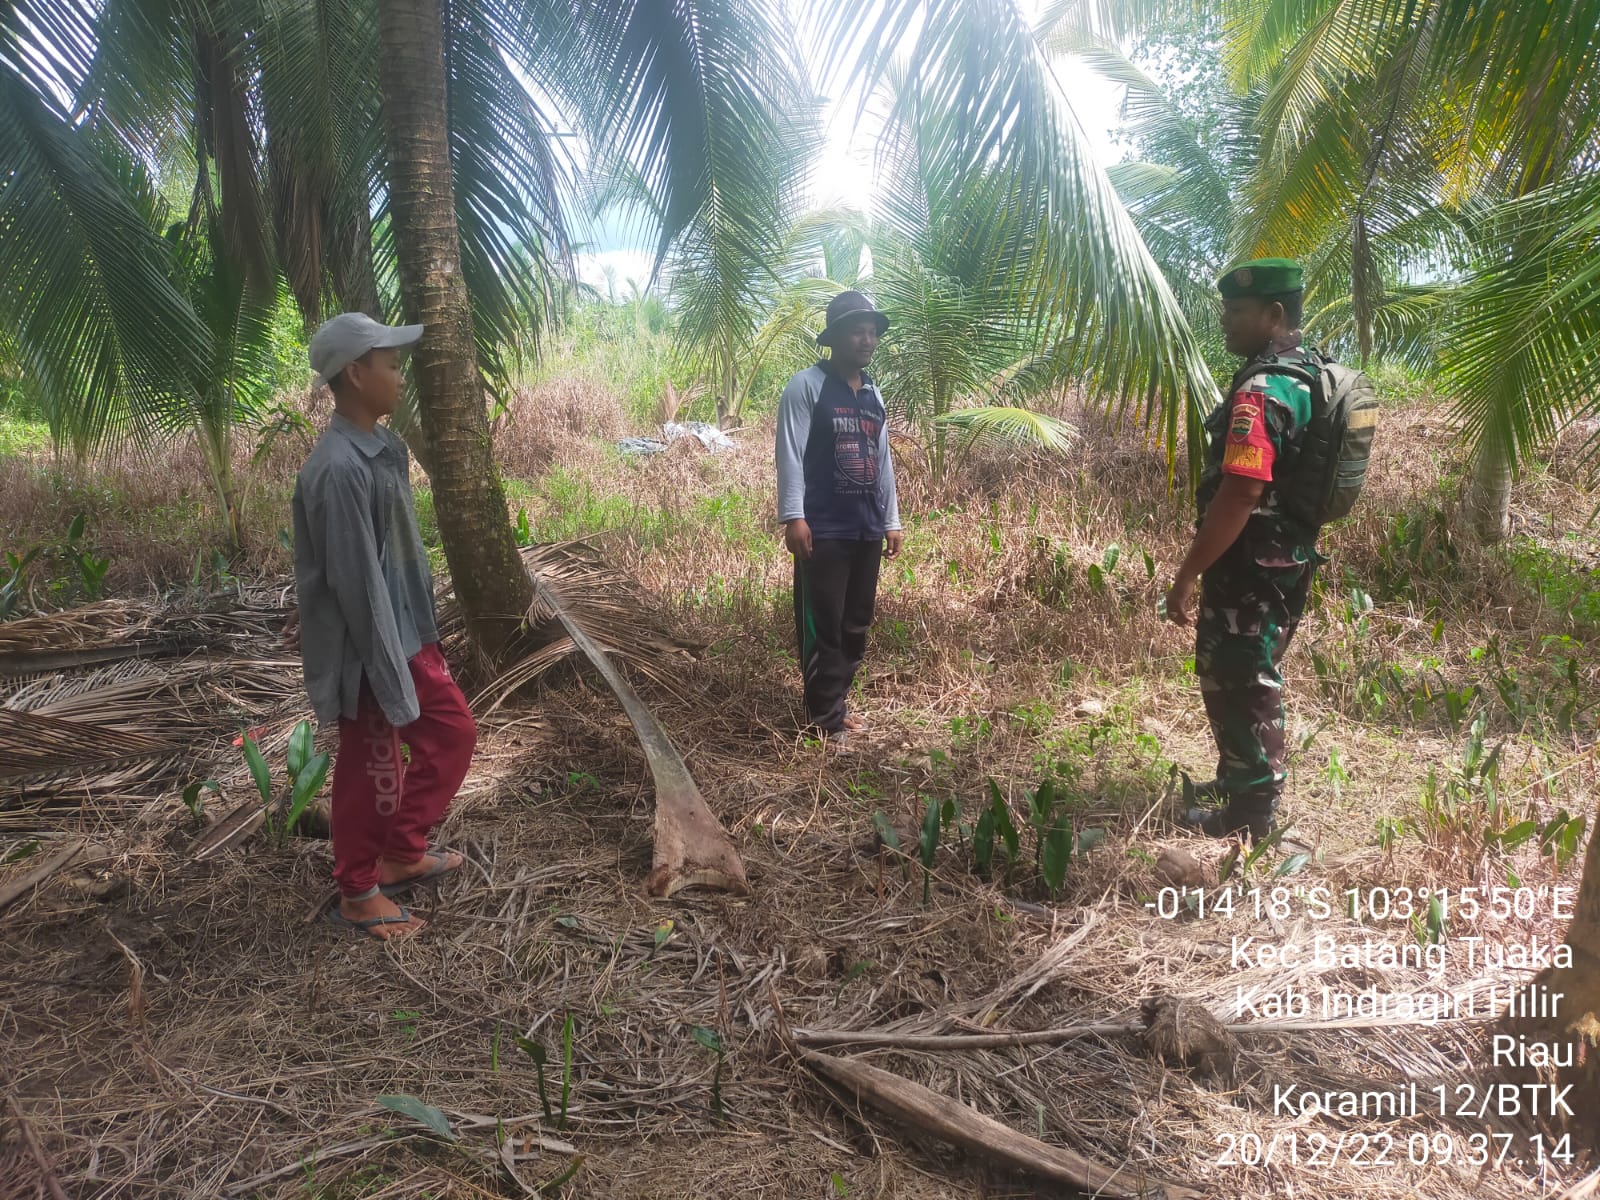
(1421, 932)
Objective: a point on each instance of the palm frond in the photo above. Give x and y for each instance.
(704, 99)
(1149, 114)
(1521, 347)
(699, 95)
(1009, 425)
(86, 288)
(1406, 325)
(1531, 70)
(314, 66)
(980, 102)
(509, 180)
(141, 78)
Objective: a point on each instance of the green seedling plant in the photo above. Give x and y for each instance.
(567, 1030)
(89, 567)
(406, 1019)
(1429, 927)
(928, 846)
(712, 1041)
(1560, 837)
(541, 1058)
(995, 829)
(1335, 774)
(1464, 809)
(950, 818)
(13, 589)
(887, 836)
(1101, 571)
(1057, 853)
(536, 1051)
(1390, 831)
(192, 796)
(1054, 842)
(1246, 866)
(1041, 815)
(306, 775)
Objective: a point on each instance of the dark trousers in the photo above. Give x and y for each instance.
(1249, 611)
(834, 592)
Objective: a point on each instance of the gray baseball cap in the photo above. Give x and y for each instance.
(340, 340)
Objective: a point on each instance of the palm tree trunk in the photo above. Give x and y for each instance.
(491, 583)
(1488, 498)
(216, 447)
(1564, 1012)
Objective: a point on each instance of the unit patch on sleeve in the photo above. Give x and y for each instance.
(1249, 450)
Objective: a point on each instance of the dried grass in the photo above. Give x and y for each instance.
(542, 422)
(190, 1034)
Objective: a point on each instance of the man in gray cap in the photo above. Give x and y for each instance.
(838, 506)
(368, 642)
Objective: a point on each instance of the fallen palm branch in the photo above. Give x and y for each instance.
(64, 857)
(31, 742)
(951, 1121)
(38, 662)
(613, 613)
(691, 847)
(877, 1039)
(103, 623)
(884, 1039)
(239, 823)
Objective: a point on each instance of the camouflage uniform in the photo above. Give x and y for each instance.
(1252, 597)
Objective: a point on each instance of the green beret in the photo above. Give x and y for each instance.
(1261, 277)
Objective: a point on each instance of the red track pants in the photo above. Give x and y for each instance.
(383, 806)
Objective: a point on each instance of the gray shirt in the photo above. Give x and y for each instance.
(361, 574)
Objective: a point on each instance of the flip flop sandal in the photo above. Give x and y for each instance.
(368, 924)
(441, 867)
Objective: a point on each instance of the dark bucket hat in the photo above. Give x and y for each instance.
(845, 308)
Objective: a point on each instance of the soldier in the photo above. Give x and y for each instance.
(1253, 562)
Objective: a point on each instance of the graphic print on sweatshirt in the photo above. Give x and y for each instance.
(855, 450)
(843, 462)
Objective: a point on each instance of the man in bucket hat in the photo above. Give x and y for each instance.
(368, 641)
(838, 507)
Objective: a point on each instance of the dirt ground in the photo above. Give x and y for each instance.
(175, 1025)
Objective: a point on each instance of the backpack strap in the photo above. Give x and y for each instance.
(1304, 364)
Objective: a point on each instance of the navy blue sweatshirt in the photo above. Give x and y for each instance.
(834, 466)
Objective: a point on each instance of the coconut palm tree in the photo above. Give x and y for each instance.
(276, 108)
(127, 322)
(1427, 159)
(998, 246)
(1435, 162)
(346, 181)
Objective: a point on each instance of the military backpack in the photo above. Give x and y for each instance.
(1329, 459)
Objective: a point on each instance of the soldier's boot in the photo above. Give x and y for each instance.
(1232, 820)
(1210, 794)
